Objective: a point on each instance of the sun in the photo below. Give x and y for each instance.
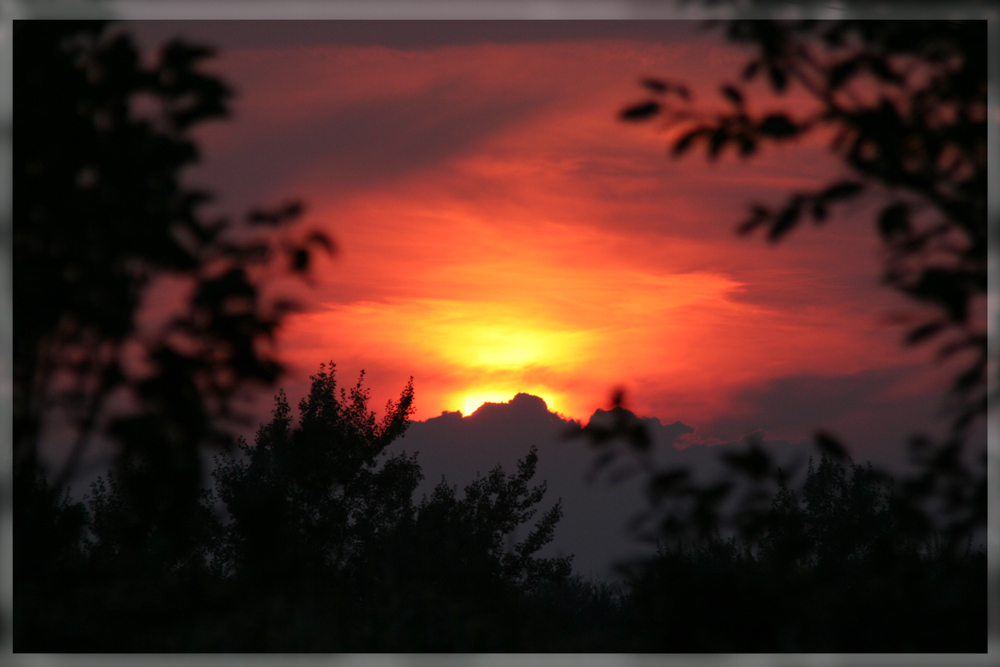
(470, 401)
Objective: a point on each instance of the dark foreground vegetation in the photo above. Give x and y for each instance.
(312, 540)
(323, 548)
(834, 569)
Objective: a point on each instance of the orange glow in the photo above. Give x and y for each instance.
(539, 245)
(497, 336)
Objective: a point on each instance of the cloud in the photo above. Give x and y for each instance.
(365, 144)
(500, 231)
(411, 35)
(873, 411)
(596, 514)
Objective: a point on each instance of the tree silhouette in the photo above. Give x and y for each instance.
(310, 497)
(313, 533)
(456, 577)
(318, 504)
(100, 216)
(492, 509)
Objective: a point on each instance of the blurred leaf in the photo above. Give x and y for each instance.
(894, 222)
(278, 216)
(830, 446)
(778, 126)
(685, 141)
(641, 111)
(733, 94)
(843, 190)
(300, 260)
(654, 85)
(970, 378)
(819, 210)
(668, 483)
(716, 142)
(923, 332)
(754, 462)
(758, 216)
(779, 80)
(951, 348)
(786, 220)
(840, 73)
(617, 397)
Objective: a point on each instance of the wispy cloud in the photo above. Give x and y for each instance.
(501, 231)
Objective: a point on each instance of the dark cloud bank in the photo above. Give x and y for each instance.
(410, 34)
(597, 511)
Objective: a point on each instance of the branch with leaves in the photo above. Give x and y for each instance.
(905, 102)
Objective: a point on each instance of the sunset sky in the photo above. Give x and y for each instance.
(501, 231)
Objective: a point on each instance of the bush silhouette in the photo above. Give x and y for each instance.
(834, 570)
(890, 564)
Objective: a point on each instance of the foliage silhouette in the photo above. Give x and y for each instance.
(833, 564)
(321, 543)
(311, 539)
(343, 512)
(147, 563)
(315, 489)
(833, 568)
(850, 561)
(905, 102)
(100, 217)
